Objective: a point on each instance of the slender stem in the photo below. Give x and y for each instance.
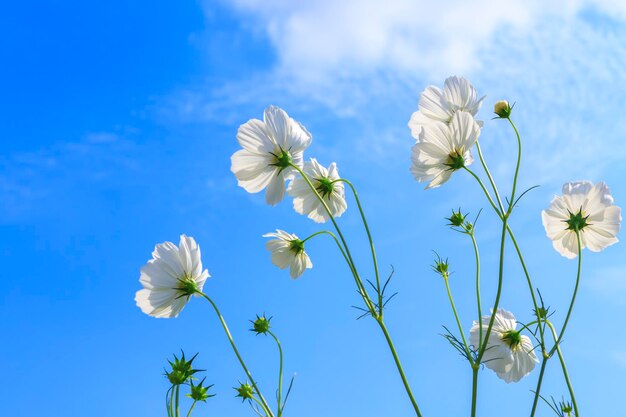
(493, 184)
(571, 305)
(243, 364)
(458, 321)
(407, 387)
(177, 405)
(528, 279)
(279, 410)
(191, 408)
(357, 278)
(169, 396)
(519, 158)
(538, 389)
(495, 208)
(478, 302)
(474, 389)
(363, 292)
(496, 303)
(564, 368)
(371, 242)
(321, 232)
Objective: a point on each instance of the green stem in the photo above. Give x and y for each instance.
(234, 347)
(191, 408)
(407, 387)
(371, 242)
(279, 410)
(571, 305)
(519, 159)
(362, 291)
(493, 205)
(478, 302)
(177, 405)
(564, 368)
(458, 321)
(474, 389)
(493, 184)
(169, 397)
(538, 389)
(357, 278)
(496, 303)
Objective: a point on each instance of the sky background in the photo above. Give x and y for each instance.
(118, 122)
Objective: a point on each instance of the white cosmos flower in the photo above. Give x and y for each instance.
(288, 251)
(444, 148)
(170, 278)
(588, 208)
(436, 105)
(508, 353)
(269, 146)
(306, 202)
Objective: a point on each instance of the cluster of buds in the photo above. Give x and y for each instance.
(182, 370)
(457, 221)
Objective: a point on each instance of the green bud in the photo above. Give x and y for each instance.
(502, 109)
(456, 219)
(566, 407)
(261, 325)
(182, 370)
(199, 392)
(541, 313)
(441, 267)
(245, 391)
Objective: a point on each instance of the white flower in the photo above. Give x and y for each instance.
(444, 148)
(288, 250)
(324, 180)
(170, 278)
(508, 353)
(269, 147)
(436, 105)
(588, 208)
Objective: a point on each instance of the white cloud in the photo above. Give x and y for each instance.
(367, 60)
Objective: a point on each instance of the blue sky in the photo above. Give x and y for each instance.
(118, 124)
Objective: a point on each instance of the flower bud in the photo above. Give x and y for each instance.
(456, 219)
(441, 267)
(502, 109)
(182, 370)
(261, 325)
(199, 392)
(245, 391)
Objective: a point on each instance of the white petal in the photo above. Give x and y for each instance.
(275, 190)
(253, 137)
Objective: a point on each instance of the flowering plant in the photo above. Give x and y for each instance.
(446, 135)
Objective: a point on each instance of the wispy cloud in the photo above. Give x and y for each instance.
(367, 61)
(28, 179)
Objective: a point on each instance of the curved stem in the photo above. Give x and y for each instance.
(519, 158)
(493, 205)
(362, 291)
(241, 362)
(169, 397)
(493, 184)
(357, 278)
(571, 305)
(407, 387)
(564, 368)
(371, 242)
(478, 302)
(279, 410)
(496, 303)
(191, 408)
(458, 322)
